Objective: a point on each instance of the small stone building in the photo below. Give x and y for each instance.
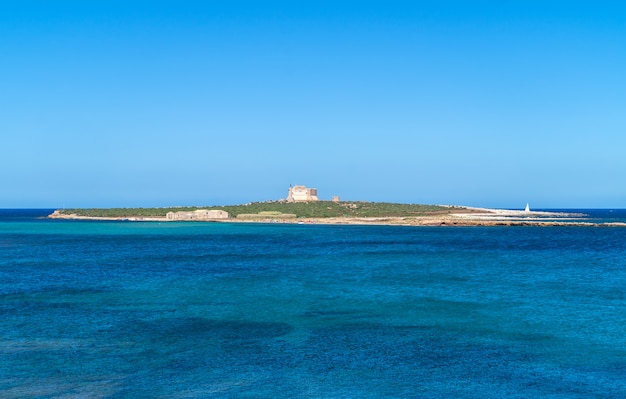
(199, 214)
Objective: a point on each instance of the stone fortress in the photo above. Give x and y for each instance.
(302, 194)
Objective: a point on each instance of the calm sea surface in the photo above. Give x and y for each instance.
(197, 310)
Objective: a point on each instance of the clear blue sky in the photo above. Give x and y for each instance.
(159, 103)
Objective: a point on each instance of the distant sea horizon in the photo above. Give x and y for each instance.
(595, 215)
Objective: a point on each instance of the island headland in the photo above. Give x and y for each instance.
(303, 206)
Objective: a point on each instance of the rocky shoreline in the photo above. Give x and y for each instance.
(466, 217)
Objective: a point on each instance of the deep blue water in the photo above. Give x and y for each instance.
(196, 310)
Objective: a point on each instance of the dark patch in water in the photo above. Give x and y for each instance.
(315, 313)
(206, 329)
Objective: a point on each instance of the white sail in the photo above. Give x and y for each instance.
(527, 208)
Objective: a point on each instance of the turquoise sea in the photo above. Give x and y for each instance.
(201, 310)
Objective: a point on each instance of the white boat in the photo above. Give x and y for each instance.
(527, 209)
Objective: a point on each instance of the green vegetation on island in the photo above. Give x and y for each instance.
(313, 209)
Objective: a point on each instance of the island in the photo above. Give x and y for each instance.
(337, 212)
